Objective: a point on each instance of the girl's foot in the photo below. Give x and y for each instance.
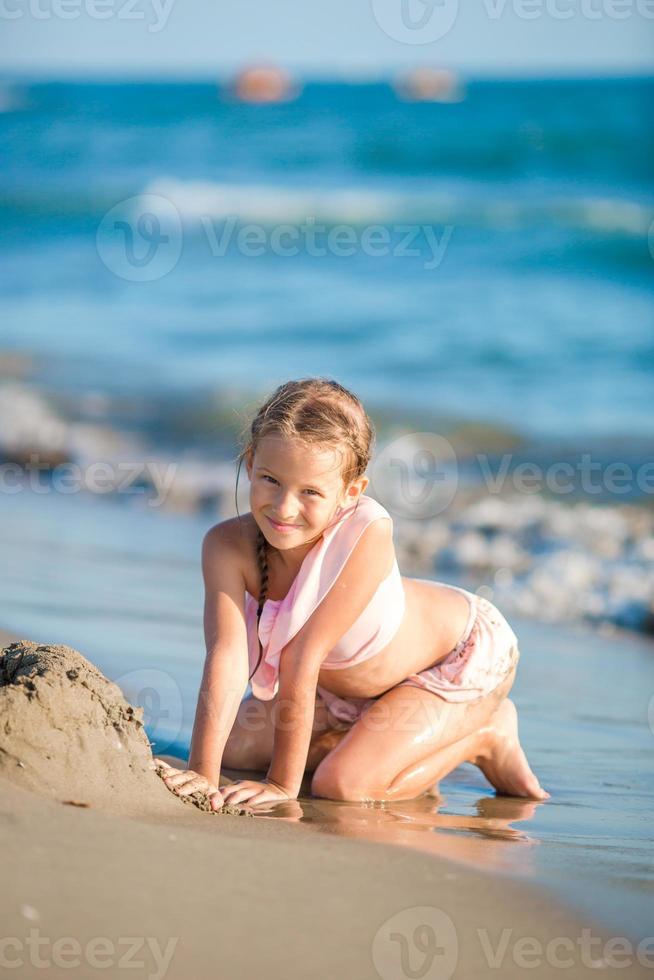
(502, 759)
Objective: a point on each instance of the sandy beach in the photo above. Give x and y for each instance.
(102, 864)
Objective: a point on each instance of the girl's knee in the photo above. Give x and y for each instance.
(330, 783)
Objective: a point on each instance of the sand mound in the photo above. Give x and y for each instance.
(67, 732)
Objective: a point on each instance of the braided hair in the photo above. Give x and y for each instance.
(262, 561)
(319, 412)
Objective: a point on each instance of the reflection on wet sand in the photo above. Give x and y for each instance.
(418, 823)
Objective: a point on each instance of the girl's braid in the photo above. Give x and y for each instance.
(262, 561)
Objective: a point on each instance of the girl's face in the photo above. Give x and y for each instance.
(295, 490)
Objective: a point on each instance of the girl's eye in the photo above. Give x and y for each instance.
(266, 476)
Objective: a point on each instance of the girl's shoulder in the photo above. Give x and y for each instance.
(238, 533)
(235, 538)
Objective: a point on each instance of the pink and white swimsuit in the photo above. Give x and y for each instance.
(485, 654)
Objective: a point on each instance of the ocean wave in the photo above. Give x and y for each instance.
(268, 205)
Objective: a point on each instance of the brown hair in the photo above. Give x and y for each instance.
(318, 412)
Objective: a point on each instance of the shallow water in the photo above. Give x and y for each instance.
(124, 587)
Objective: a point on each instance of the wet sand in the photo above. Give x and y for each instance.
(235, 897)
(100, 848)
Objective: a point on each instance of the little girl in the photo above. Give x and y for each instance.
(377, 683)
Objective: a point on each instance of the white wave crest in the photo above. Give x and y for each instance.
(471, 206)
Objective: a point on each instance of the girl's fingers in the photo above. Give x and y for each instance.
(191, 785)
(235, 797)
(244, 796)
(200, 784)
(179, 778)
(195, 784)
(234, 787)
(172, 773)
(216, 801)
(179, 788)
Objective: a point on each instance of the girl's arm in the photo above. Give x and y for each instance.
(369, 563)
(225, 675)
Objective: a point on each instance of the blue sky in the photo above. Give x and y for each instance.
(356, 37)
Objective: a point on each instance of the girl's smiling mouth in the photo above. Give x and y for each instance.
(282, 527)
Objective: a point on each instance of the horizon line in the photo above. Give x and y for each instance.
(341, 76)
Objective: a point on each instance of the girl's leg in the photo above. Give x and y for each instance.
(251, 740)
(410, 738)
(495, 749)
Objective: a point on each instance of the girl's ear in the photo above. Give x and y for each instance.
(361, 483)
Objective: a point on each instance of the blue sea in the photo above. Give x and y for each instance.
(488, 259)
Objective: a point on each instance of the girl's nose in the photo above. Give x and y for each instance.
(285, 506)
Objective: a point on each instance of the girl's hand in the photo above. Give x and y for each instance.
(242, 790)
(185, 781)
